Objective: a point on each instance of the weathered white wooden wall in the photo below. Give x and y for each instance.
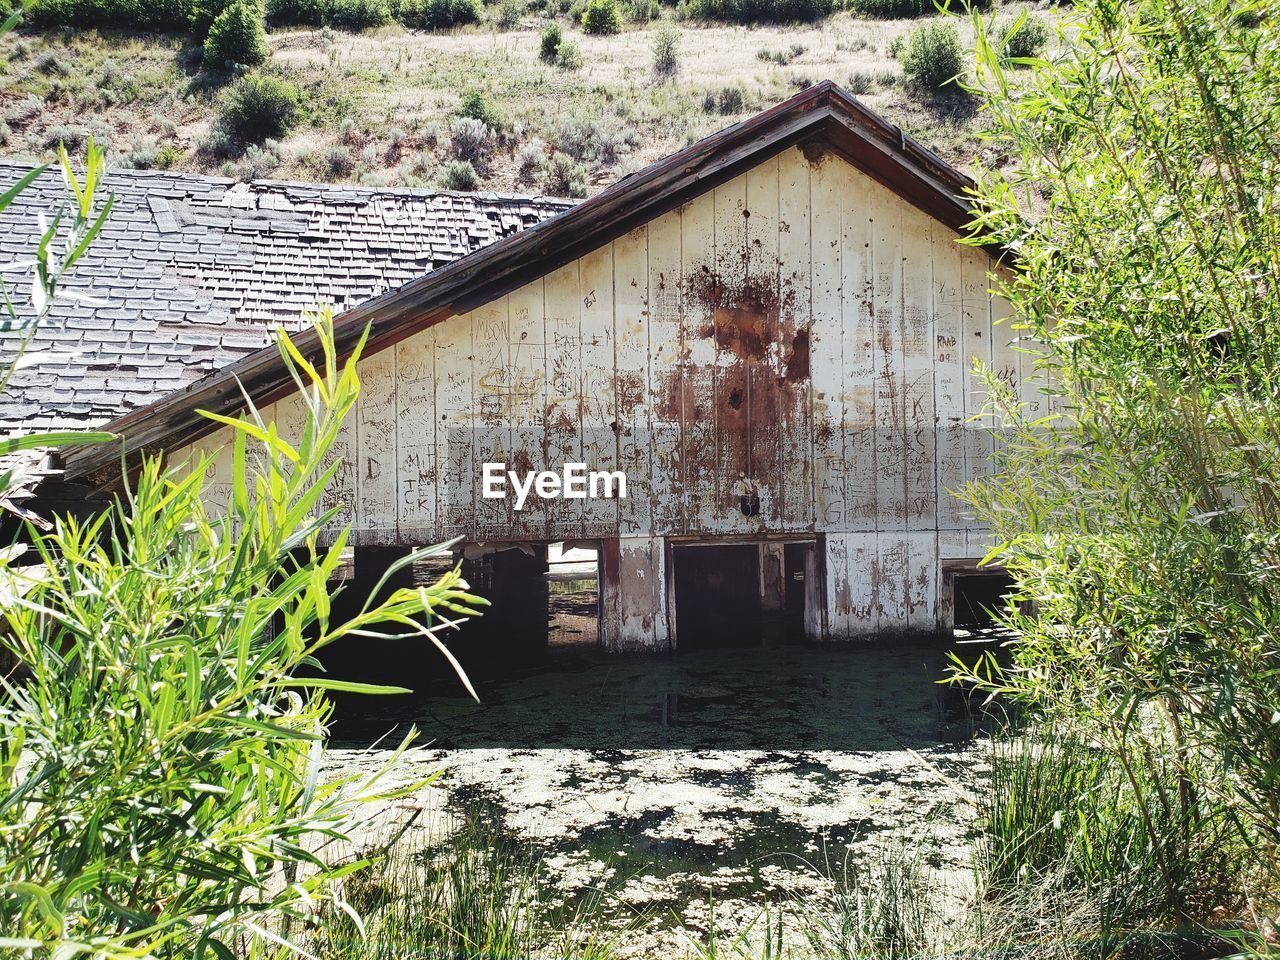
(800, 334)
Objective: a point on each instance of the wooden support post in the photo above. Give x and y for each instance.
(772, 578)
(815, 610)
(633, 595)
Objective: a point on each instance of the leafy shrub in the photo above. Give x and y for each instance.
(933, 56)
(202, 14)
(144, 14)
(726, 102)
(666, 50)
(50, 64)
(220, 144)
(565, 176)
(643, 11)
(76, 136)
(459, 175)
(477, 106)
(167, 156)
(896, 46)
(116, 85)
(255, 163)
(141, 154)
(759, 11)
(258, 106)
(159, 754)
(237, 36)
(439, 14)
(531, 160)
(307, 12)
(470, 139)
(510, 13)
(338, 160)
(1147, 541)
(1023, 38)
(569, 56)
(358, 14)
(594, 140)
(600, 17)
(900, 9)
(549, 43)
(892, 9)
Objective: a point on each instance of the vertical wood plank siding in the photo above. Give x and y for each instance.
(790, 352)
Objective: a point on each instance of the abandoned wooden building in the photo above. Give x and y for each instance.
(770, 333)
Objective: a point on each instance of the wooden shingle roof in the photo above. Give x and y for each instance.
(192, 273)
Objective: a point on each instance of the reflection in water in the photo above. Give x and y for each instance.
(858, 698)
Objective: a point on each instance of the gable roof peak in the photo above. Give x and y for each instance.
(824, 114)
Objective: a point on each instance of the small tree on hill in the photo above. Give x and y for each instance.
(237, 36)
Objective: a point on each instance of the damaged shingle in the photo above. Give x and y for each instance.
(191, 273)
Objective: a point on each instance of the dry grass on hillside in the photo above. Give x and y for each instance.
(377, 105)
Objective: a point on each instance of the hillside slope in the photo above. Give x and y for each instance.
(377, 106)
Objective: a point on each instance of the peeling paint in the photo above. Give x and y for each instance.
(789, 353)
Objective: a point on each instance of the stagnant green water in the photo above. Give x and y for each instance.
(741, 773)
(863, 697)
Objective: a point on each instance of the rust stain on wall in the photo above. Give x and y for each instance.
(744, 318)
(797, 367)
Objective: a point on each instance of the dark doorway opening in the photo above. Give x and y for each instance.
(976, 595)
(717, 594)
(795, 592)
(734, 594)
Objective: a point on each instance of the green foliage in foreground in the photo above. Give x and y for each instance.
(160, 788)
(1078, 849)
(65, 238)
(1142, 517)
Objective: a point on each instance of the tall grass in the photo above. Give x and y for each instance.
(884, 906)
(471, 895)
(1082, 857)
